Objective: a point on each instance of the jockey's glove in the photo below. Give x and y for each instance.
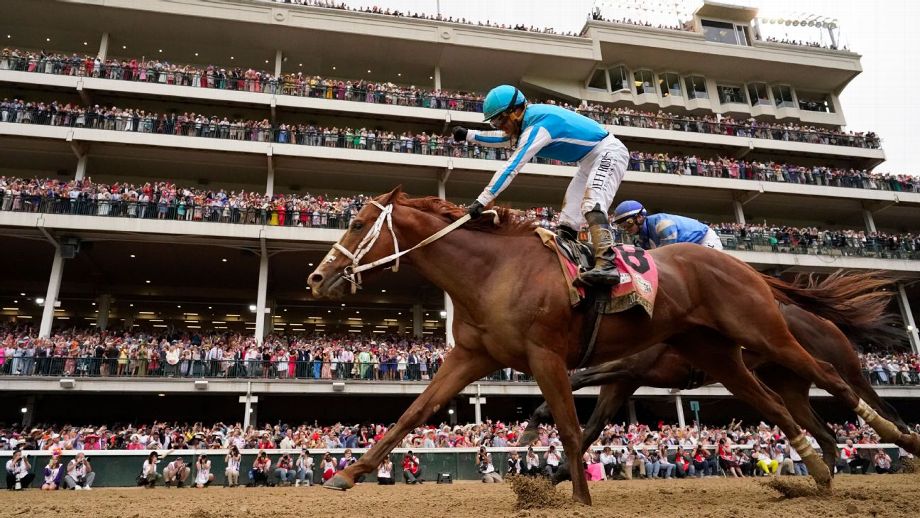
(475, 209)
(459, 133)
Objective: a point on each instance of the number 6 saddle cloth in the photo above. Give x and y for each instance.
(638, 273)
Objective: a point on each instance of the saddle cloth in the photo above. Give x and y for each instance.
(638, 273)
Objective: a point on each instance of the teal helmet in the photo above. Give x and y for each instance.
(501, 99)
(628, 209)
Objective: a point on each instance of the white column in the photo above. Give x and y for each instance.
(270, 177)
(29, 415)
(417, 320)
(248, 400)
(103, 46)
(739, 212)
(631, 406)
(869, 220)
(679, 401)
(54, 286)
(909, 322)
(81, 167)
(103, 305)
(477, 405)
(278, 59)
(437, 78)
(449, 319)
(270, 316)
(260, 297)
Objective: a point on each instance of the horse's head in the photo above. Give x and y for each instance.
(369, 238)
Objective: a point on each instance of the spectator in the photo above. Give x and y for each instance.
(258, 474)
(203, 475)
(486, 469)
(328, 465)
(531, 462)
(610, 462)
(233, 461)
(727, 460)
(850, 460)
(552, 459)
(412, 469)
(284, 470)
(385, 472)
(176, 472)
(18, 472)
(515, 465)
(80, 473)
(882, 462)
(149, 473)
(683, 466)
(304, 467)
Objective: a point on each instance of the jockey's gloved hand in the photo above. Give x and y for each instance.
(459, 133)
(475, 209)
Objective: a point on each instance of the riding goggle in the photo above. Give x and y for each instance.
(626, 223)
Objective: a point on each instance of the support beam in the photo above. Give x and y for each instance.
(477, 404)
(104, 306)
(417, 320)
(679, 402)
(81, 168)
(909, 323)
(270, 316)
(869, 220)
(631, 406)
(270, 177)
(248, 401)
(739, 212)
(279, 58)
(263, 289)
(437, 77)
(29, 415)
(103, 46)
(51, 295)
(449, 320)
(81, 151)
(442, 182)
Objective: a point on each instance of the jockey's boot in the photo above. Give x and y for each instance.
(605, 270)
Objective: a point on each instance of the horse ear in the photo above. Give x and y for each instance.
(391, 196)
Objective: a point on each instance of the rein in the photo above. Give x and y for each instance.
(352, 273)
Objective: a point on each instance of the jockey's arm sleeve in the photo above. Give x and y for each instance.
(488, 138)
(532, 140)
(666, 230)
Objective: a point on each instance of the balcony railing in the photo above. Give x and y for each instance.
(841, 247)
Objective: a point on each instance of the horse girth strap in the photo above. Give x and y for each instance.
(595, 302)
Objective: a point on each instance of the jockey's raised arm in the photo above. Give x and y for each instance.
(497, 138)
(532, 140)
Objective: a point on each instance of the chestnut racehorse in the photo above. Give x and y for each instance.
(511, 309)
(864, 317)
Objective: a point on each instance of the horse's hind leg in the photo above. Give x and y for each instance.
(794, 391)
(461, 367)
(550, 372)
(703, 348)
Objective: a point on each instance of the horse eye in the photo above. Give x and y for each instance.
(357, 225)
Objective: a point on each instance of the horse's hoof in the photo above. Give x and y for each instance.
(338, 483)
(825, 486)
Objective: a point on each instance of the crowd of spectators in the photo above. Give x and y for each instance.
(598, 17)
(803, 43)
(389, 93)
(142, 353)
(437, 17)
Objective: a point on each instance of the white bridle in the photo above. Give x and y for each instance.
(352, 273)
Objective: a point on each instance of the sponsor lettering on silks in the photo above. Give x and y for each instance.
(603, 169)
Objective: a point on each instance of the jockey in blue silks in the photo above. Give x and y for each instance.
(661, 229)
(549, 131)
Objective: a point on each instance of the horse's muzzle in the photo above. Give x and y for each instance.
(327, 286)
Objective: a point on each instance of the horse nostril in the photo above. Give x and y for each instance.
(316, 278)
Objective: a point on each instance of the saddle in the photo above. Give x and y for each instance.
(637, 287)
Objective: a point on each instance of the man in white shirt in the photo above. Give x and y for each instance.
(80, 474)
(17, 472)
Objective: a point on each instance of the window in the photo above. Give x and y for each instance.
(696, 87)
(726, 32)
(669, 84)
(598, 79)
(645, 81)
(783, 97)
(619, 79)
(815, 102)
(757, 93)
(730, 94)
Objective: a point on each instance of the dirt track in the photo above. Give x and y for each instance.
(878, 495)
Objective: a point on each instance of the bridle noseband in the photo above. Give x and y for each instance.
(352, 273)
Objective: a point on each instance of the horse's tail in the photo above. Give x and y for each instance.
(855, 302)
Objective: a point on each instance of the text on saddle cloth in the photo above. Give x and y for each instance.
(638, 276)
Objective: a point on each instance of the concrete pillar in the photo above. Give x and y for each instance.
(449, 320)
(279, 58)
(103, 46)
(260, 296)
(417, 318)
(738, 207)
(869, 220)
(103, 305)
(477, 405)
(631, 406)
(679, 402)
(442, 189)
(437, 78)
(29, 415)
(270, 317)
(51, 295)
(908, 317)
(81, 167)
(270, 178)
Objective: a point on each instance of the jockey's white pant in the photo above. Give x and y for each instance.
(596, 181)
(711, 239)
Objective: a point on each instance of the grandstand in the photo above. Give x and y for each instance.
(309, 110)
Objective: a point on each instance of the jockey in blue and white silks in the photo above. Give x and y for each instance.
(662, 229)
(549, 131)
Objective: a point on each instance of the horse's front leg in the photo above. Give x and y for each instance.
(550, 372)
(461, 367)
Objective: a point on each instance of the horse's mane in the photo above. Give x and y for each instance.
(511, 222)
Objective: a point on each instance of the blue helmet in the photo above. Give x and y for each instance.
(628, 209)
(501, 99)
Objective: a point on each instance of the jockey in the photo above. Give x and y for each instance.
(662, 229)
(553, 132)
